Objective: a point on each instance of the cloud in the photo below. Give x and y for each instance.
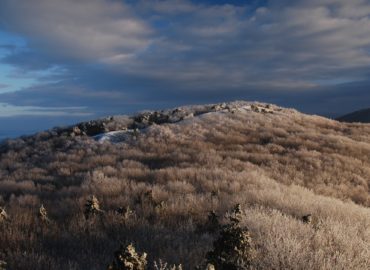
(121, 55)
(84, 30)
(7, 110)
(170, 7)
(281, 45)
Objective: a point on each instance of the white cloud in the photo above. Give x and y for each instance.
(88, 30)
(7, 110)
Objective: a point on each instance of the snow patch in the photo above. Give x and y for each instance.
(116, 136)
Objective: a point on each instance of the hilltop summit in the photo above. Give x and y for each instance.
(301, 180)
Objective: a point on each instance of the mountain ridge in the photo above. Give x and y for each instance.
(148, 117)
(158, 183)
(360, 116)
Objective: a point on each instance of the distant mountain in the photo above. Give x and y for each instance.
(361, 116)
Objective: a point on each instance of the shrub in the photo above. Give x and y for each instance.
(126, 258)
(311, 165)
(2, 265)
(3, 215)
(92, 207)
(161, 265)
(43, 215)
(232, 250)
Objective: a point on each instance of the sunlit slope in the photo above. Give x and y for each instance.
(171, 168)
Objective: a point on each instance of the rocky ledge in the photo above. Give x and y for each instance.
(118, 126)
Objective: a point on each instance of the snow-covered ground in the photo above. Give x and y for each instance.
(116, 136)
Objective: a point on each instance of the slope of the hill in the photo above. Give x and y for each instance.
(361, 116)
(171, 168)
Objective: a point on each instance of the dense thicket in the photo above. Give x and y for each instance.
(157, 188)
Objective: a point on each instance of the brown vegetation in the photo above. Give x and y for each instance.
(126, 258)
(156, 191)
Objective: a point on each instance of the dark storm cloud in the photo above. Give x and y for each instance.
(116, 55)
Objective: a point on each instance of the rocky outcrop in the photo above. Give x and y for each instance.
(262, 109)
(119, 128)
(92, 128)
(171, 116)
(89, 128)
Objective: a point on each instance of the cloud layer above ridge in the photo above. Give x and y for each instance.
(107, 55)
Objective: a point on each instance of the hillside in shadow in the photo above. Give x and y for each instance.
(361, 116)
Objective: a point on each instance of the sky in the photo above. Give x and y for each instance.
(64, 61)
